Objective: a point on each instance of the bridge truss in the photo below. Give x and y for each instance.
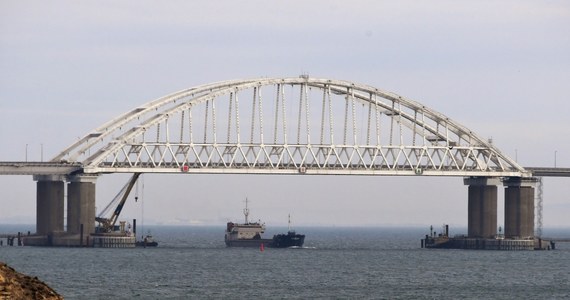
(287, 126)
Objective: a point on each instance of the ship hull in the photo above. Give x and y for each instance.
(147, 241)
(278, 241)
(254, 243)
(288, 240)
(146, 244)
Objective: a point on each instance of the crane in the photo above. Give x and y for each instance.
(108, 224)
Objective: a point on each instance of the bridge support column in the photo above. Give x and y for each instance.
(482, 207)
(49, 204)
(519, 207)
(81, 204)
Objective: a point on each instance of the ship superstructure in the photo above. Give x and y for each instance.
(247, 234)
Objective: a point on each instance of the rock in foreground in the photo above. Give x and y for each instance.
(14, 285)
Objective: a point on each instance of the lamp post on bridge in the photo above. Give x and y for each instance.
(555, 158)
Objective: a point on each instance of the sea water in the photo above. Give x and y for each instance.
(336, 263)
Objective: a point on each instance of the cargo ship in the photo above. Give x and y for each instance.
(249, 234)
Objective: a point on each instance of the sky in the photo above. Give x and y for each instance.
(500, 68)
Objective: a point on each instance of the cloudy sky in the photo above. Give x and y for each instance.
(501, 68)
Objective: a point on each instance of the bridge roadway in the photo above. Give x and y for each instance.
(53, 168)
(548, 172)
(38, 168)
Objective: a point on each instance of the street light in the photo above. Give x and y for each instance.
(555, 158)
(26, 152)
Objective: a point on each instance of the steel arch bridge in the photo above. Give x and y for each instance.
(287, 126)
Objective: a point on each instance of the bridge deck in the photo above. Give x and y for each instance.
(549, 172)
(38, 168)
(64, 168)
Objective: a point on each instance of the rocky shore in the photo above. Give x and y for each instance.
(15, 285)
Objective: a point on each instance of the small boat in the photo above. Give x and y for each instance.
(147, 241)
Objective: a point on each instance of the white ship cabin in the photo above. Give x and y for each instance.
(247, 231)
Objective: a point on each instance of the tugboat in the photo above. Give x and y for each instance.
(147, 241)
(249, 234)
(288, 240)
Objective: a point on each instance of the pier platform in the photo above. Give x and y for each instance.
(444, 242)
(76, 240)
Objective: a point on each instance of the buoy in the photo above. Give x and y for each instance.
(261, 248)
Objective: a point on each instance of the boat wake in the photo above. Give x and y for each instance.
(297, 247)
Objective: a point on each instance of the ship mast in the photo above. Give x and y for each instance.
(246, 211)
(289, 225)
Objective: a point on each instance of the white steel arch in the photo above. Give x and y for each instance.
(285, 126)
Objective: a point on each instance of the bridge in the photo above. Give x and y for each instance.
(299, 125)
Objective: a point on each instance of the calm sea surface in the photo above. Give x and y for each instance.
(339, 263)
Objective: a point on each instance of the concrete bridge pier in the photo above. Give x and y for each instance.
(50, 193)
(81, 205)
(482, 207)
(519, 207)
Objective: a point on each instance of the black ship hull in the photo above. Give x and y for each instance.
(146, 244)
(290, 239)
(147, 241)
(253, 243)
(287, 240)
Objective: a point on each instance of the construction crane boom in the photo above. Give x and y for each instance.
(107, 224)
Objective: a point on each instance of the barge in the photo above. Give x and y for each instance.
(499, 242)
